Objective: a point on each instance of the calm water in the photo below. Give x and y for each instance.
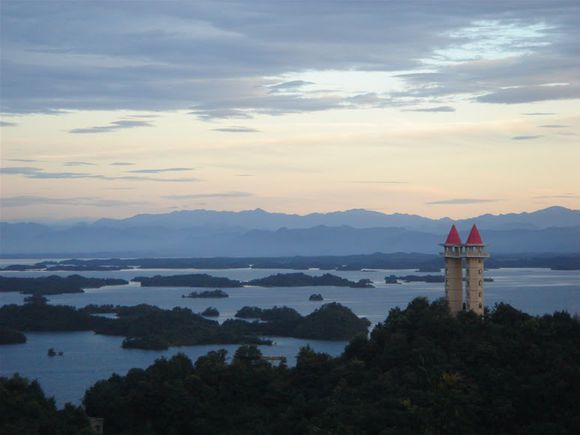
(89, 357)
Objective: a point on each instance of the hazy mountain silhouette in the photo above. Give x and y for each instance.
(356, 218)
(259, 233)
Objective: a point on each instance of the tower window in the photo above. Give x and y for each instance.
(479, 282)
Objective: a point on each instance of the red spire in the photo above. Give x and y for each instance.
(453, 237)
(474, 238)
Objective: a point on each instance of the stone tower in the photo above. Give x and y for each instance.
(452, 251)
(475, 254)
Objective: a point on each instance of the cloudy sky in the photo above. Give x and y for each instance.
(447, 108)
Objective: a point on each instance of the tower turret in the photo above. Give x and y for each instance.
(452, 251)
(474, 251)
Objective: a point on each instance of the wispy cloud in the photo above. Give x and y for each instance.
(433, 109)
(37, 173)
(236, 129)
(122, 164)
(539, 113)
(211, 195)
(31, 200)
(527, 137)
(461, 201)
(78, 164)
(113, 126)
(290, 85)
(7, 124)
(554, 126)
(23, 160)
(159, 171)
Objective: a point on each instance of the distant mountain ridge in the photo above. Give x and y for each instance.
(203, 233)
(357, 218)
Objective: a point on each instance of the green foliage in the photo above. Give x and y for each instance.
(24, 410)
(420, 372)
(41, 317)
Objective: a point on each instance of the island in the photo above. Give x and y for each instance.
(303, 280)
(208, 294)
(316, 297)
(52, 285)
(191, 280)
(149, 327)
(11, 336)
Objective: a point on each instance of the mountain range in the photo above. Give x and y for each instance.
(199, 233)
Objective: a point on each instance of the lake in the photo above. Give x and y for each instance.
(89, 357)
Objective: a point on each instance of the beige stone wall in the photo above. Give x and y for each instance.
(453, 284)
(474, 284)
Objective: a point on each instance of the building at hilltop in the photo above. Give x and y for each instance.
(470, 255)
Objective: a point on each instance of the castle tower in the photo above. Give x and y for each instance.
(474, 256)
(452, 251)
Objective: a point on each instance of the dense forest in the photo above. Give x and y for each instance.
(25, 410)
(419, 372)
(51, 285)
(422, 262)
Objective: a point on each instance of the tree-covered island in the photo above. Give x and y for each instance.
(191, 280)
(208, 294)
(52, 285)
(299, 279)
(150, 327)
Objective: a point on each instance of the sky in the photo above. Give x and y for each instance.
(447, 108)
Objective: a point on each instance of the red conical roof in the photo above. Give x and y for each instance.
(453, 237)
(474, 238)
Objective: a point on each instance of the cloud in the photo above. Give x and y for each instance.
(236, 129)
(122, 164)
(7, 124)
(19, 170)
(434, 109)
(526, 137)
(461, 201)
(211, 195)
(30, 200)
(539, 113)
(554, 126)
(159, 171)
(113, 126)
(37, 173)
(78, 164)
(23, 160)
(291, 85)
(530, 94)
(235, 60)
